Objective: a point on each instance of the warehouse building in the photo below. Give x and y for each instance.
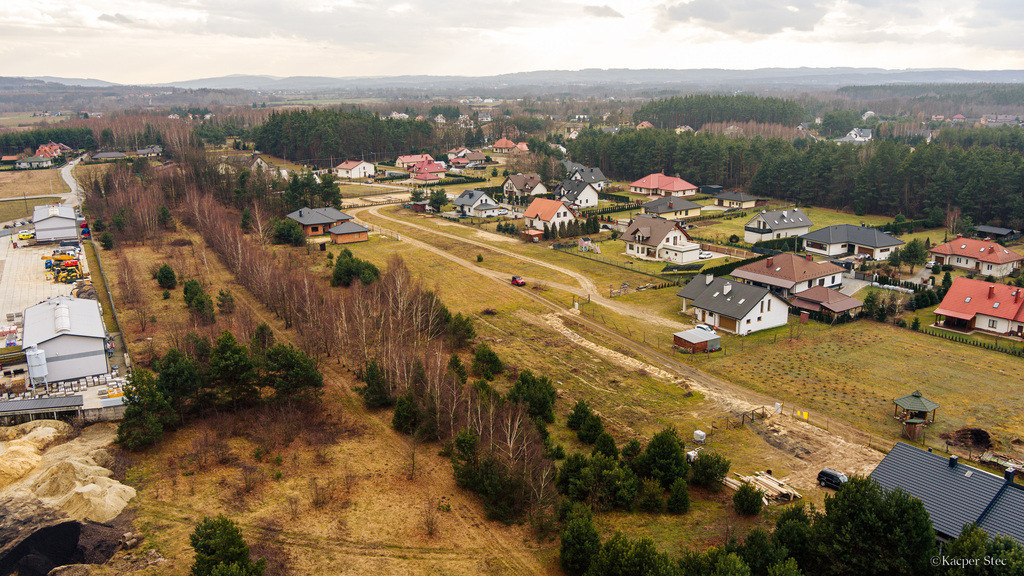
(55, 223)
(70, 334)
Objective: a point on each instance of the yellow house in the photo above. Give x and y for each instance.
(671, 208)
(735, 199)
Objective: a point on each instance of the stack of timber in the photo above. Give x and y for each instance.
(774, 490)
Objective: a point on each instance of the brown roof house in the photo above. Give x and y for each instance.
(652, 238)
(787, 274)
(519, 185)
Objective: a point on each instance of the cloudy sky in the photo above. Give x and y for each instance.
(140, 41)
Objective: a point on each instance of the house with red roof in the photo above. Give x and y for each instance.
(503, 146)
(355, 169)
(786, 274)
(428, 168)
(426, 177)
(412, 160)
(978, 256)
(522, 147)
(977, 305)
(543, 211)
(644, 125)
(661, 185)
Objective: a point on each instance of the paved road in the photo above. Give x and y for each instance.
(74, 196)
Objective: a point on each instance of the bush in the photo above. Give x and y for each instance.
(650, 497)
(748, 500)
(679, 497)
(220, 549)
(590, 430)
(709, 469)
(166, 278)
(605, 444)
(406, 414)
(167, 294)
(375, 388)
(580, 543)
(479, 257)
(107, 241)
(578, 415)
(486, 362)
(288, 231)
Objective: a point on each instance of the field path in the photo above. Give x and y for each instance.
(586, 285)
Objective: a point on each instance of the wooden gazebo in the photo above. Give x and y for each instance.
(915, 412)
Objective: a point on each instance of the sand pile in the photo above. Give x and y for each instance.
(65, 476)
(24, 446)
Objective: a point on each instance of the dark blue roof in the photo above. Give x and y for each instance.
(954, 496)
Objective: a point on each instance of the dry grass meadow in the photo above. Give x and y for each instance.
(18, 183)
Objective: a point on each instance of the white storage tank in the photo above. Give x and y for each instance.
(36, 359)
(699, 436)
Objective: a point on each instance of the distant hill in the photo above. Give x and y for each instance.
(85, 82)
(780, 78)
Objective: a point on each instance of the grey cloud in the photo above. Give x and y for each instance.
(605, 11)
(762, 17)
(117, 18)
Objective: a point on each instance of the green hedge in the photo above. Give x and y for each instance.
(968, 340)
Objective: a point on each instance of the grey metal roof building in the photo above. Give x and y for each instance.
(54, 223)
(71, 333)
(848, 233)
(783, 219)
(37, 406)
(736, 196)
(314, 216)
(955, 494)
(348, 228)
(994, 231)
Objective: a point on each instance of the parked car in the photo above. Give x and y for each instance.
(26, 235)
(705, 328)
(705, 256)
(518, 281)
(502, 212)
(605, 227)
(829, 478)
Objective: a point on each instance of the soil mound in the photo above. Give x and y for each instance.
(24, 447)
(83, 490)
(975, 438)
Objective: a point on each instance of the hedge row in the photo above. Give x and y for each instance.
(967, 340)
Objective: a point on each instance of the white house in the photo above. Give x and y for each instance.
(787, 274)
(652, 238)
(476, 203)
(769, 225)
(55, 223)
(517, 185)
(592, 176)
(841, 239)
(71, 334)
(733, 306)
(34, 162)
(576, 193)
(978, 256)
(552, 213)
(977, 305)
(857, 136)
(355, 169)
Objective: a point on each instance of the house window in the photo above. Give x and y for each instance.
(762, 306)
(758, 319)
(992, 323)
(958, 260)
(988, 267)
(769, 305)
(748, 320)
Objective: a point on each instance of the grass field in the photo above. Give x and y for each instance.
(18, 183)
(854, 371)
(821, 217)
(15, 119)
(18, 209)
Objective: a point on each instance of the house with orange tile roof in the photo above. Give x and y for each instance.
(644, 125)
(661, 185)
(410, 160)
(522, 147)
(503, 146)
(550, 212)
(977, 305)
(355, 169)
(978, 256)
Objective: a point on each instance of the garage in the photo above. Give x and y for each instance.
(55, 223)
(727, 323)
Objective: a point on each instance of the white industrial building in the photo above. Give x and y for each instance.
(55, 223)
(69, 334)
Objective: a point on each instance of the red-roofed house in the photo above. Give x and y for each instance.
(354, 169)
(544, 211)
(412, 160)
(787, 274)
(458, 152)
(429, 168)
(979, 256)
(978, 305)
(644, 125)
(10, 159)
(503, 146)
(426, 177)
(522, 147)
(458, 162)
(661, 185)
(50, 150)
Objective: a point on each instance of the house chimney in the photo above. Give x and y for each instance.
(959, 235)
(1008, 475)
(768, 262)
(727, 288)
(1016, 296)
(992, 291)
(708, 278)
(952, 461)
(991, 249)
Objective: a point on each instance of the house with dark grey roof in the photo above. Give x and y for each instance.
(104, 156)
(671, 208)
(652, 238)
(840, 239)
(955, 494)
(857, 136)
(772, 224)
(315, 221)
(348, 232)
(476, 203)
(33, 162)
(994, 232)
(733, 306)
(735, 199)
(576, 193)
(592, 176)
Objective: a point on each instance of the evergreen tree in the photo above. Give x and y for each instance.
(220, 549)
(605, 445)
(375, 390)
(146, 412)
(246, 222)
(580, 542)
(225, 302)
(166, 278)
(292, 374)
(232, 372)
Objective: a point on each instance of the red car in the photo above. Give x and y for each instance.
(518, 281)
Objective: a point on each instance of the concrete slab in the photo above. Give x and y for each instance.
(23, 279)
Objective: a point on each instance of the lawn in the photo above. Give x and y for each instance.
(853, 371)
(821, 217)
(18, 183)
(18, 208)
(16, 119)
